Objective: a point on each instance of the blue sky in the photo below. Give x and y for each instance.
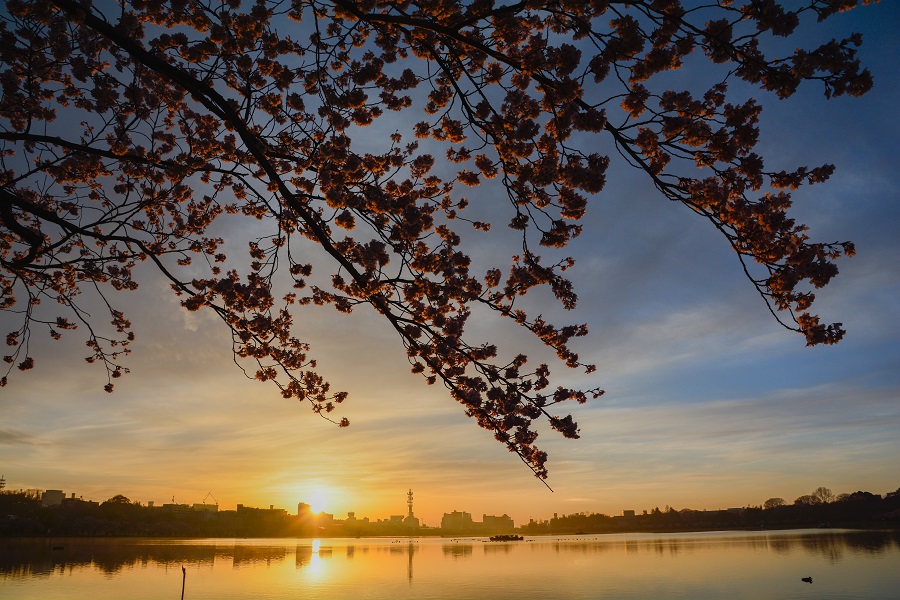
(710, 403)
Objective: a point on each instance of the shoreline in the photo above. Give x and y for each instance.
(836, 528)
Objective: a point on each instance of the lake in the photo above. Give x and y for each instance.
(733, 565)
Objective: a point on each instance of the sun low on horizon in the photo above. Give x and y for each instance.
(319, 500)
(322, 497)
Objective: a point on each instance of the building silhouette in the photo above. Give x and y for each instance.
(52, 497)
(457, 522)
(461, 523)
(501, 524)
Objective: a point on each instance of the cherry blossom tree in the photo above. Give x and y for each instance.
(129, 128)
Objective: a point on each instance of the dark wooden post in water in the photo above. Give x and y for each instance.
(183, 577)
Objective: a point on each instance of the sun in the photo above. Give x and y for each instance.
(321, 496)
(318, 500)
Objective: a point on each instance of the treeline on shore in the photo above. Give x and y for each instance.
(22, 514)
(822, 508)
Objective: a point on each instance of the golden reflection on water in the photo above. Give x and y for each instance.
(629, 566)
(312, 557)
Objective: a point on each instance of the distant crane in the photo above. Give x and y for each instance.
(209, 495)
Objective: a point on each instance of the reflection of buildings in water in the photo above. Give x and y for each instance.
(457, 550)
(583, 546)
(670, 547)
(831, 546)
(36, 556)
(43, 556)
(409, 564)
(304, 554)
(245, 554)
(398, 548)
(497, 548)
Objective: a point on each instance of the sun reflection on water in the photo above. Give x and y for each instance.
(316, 567)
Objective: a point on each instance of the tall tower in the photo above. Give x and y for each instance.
(410, 521)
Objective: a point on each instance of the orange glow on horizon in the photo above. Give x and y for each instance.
(320, 495)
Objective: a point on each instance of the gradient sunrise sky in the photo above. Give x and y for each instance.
(709, 404)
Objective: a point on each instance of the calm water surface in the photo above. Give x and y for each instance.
(769, 565)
